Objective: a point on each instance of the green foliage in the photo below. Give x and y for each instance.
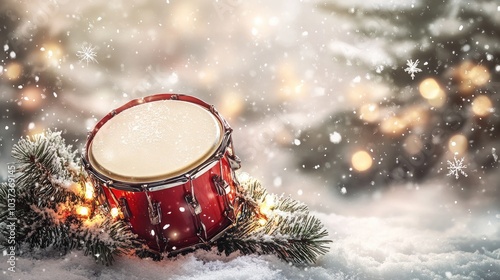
(48, 191)
(46, 169)
(286, 229)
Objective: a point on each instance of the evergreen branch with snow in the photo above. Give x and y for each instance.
(47, 169)
(48, 189)
(268, 224)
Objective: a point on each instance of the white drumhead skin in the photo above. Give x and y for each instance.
(154, 141)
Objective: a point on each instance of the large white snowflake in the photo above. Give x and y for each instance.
(456, 167)
(412, 68)
(87, 53)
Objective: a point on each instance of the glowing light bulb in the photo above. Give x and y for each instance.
(82, 211)
(262, 221)
(89, 190)
(267, 205)
(114, 212)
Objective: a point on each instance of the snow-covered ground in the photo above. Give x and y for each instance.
(405, 234)
(273, 69)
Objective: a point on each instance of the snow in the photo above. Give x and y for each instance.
(404, 234)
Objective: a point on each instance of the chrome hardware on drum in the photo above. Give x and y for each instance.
(167, 162)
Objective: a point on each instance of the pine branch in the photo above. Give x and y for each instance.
(285, 229)
(46, 168)
(106, 238)
(49, 187)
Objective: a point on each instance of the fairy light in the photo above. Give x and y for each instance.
(82, 211)
(267, 205)
(361, 161)
(265, 209)
(89, 191)
(114, 212)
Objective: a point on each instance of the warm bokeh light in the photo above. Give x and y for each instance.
(266, 206)
(31, 98)
(82, 211)
(362, 92)
(482, 106)
(458, 144)
(114, 212)
(432, 92)
(35, 128)
(208, 76)
(369, 112)
(393, 125)
(52, 53)
(414, 116)
(412, 144)
(232, 104)
(291, 86)
(361, 161)
(13, 71)
(89, 190)
(472, 76)
(429, 88)
(185, 19)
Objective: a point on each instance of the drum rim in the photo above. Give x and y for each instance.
(157, 183)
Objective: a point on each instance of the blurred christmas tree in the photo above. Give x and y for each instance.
(403, 128)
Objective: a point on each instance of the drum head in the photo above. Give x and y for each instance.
(155, 141)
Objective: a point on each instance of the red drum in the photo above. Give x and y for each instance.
(167, 162)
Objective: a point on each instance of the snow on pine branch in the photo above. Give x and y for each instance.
(46, 161)
(49, 193)
(270, 224)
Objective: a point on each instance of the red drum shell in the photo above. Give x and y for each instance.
(178, 229)
(180, 213)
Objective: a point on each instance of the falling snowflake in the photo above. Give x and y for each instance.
(494, 153)
(456, 167)
(412, 68)
(87, 53)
